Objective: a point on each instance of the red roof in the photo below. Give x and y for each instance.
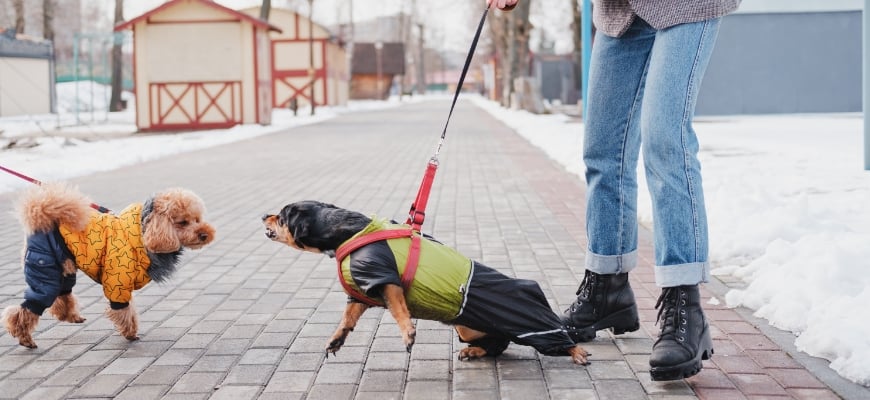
(210, 3)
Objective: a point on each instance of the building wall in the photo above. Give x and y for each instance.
(198, 67)
(785, 62)
(25, 86)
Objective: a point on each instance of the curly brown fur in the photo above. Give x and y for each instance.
(126, 321)
(65, 308)
(20, 323)
(43, 207)
(172, 219)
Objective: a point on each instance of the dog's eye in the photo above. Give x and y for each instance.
(182, 223)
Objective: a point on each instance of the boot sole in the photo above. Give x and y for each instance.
(689, 368)
(619, 322)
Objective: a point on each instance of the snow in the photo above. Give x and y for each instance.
(787, 199)
(788, 206)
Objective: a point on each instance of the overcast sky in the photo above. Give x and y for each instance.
(451, 21)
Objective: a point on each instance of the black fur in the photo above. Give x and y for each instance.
(162, 265)
(320, 225)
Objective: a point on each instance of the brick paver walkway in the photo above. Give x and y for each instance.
(248, 318)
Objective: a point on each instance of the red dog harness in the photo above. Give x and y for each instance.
(344, 251)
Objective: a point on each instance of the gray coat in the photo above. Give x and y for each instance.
(613, 17)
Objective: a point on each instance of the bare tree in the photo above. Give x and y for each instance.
(18, 5)
(510, 33)
(48, 19)
(577, 52)
(117, 62)
(265, 9)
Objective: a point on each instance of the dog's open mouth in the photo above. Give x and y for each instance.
(271, 234)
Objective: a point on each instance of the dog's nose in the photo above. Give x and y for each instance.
(203, 237)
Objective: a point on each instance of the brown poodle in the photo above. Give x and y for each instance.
(122, 252)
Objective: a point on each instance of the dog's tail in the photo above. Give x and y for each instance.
(43, 207)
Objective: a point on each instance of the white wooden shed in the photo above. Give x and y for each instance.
(26, 76)
(291, 61)
(200, 65)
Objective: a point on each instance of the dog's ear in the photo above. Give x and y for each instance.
(298, 218)
(158, 234)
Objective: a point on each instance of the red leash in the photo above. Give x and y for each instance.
(418, 209)
(36, 182)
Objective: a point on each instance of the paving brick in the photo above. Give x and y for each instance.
(301, 361)
(160, 375)
(382, 381)
(102, 386)
(197, 382)
(752, 384)
(471, 379)
(573, 394)
(13, 388)
(737, 364)
(425, 370)
(521, 389)
(773, 359)
(127, 366)
(48, 393)
(427, 390)
(339, 374)
(290, 381)
(812, 394)
(142, 392)
(615, 389)
(331, 392)
(37, 369)
(711, 378)
(249, 375)
(387, 360)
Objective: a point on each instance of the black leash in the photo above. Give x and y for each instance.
(418, 208)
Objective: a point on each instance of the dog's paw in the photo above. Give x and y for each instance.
(471, 352)
(27, 342)
(579, 355)
(334, 345)
(132, 338)
(78, 320)
(409, 338)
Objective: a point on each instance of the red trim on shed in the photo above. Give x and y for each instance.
(209, 3)
(209, 92)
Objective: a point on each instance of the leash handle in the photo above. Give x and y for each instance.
(97, 207)
(462, 78)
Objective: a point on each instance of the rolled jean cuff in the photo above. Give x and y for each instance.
(617, 264)
(682, 274)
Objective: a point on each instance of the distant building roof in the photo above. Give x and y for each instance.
(209, 3)
(12, 45)
(365, 59)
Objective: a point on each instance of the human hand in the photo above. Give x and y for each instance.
(505, 5)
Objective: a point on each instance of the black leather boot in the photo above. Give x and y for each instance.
(603, 302)
(685, 337)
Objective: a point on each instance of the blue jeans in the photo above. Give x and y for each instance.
(643, 87)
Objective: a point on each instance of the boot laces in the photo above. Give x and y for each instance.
(671, 305)
(584, 291)
(586, 284)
